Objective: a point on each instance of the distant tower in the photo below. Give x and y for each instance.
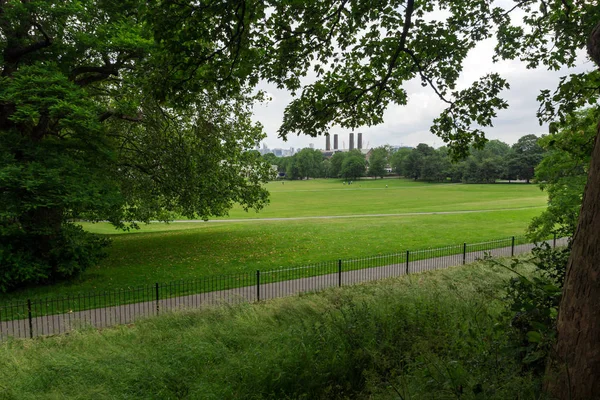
(351, 141)
(335, 141)
(311, 145)
(359, 141)
(327, 143)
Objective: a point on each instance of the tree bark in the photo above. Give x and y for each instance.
(574, 373)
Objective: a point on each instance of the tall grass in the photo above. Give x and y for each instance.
(428, 336)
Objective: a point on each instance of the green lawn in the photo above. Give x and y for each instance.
(329, 197)
(169, 252)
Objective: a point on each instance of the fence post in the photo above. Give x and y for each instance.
(30, 318)
(340, 273)
(257, 285)
(407, 257)
(554, 243)
(157, 298)
(464, 253)
(512, 247)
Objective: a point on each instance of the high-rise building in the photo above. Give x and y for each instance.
(359, 141)
(327, 143)
(335, 141)
(351, 141)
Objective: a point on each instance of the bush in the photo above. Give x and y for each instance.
(533, 306)
(72, 251)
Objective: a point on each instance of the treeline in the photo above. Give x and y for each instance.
(497, 160)
(310, 163)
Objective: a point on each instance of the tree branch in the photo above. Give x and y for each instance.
(113, 114)
(13, 55)
(410, 5)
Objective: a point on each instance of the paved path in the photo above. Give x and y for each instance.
(410, 214)
(129, 313)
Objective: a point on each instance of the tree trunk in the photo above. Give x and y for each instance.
(575, 372)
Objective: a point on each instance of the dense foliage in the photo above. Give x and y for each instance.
(532, 306)
(495, 160)
(87, 130)
(563, 172)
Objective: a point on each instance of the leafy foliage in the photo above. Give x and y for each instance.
(533, 306)
(86, 132)
(563, 173)
(353, 166)
(378, 161)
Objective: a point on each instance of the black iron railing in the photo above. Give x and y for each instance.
(48, 316)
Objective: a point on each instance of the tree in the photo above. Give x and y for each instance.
(412, 164)
(353, 167)
(336, 164)
(527, 155)
(270, 158)
(308, 162)
(87, 130)
(434, 168)
(291, 169)
(562, 173)
(397, 160)
(378, 161)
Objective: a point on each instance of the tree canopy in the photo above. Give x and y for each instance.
(562, 173)
(87, 130)
(378, 161)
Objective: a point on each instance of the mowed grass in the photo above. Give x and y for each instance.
(435, 335)
(182, 251)
(330, 197)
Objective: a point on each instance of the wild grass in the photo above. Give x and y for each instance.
(428, 336)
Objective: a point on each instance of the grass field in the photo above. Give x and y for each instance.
(168, 252)
(432, 336)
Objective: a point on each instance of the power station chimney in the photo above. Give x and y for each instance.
(335, 141)
(359, 141)
(352, 141)
(327, 143)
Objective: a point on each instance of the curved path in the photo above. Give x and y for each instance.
(250, 292)
(352, 215)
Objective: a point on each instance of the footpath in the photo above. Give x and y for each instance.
(129, 313)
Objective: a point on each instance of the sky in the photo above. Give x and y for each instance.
(409, 125)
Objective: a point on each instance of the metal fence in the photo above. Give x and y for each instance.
(49, 316)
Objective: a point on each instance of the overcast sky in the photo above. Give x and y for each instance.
(409, 125)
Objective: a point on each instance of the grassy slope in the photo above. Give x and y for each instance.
(213, 249)
(427, 336)
(168, 252)
(329, 197)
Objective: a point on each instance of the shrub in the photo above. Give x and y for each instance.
(73, 250)
(533, 306)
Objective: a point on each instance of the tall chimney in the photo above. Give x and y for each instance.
(359, 143)
(327, 143)
(351, 141)
(335, 141)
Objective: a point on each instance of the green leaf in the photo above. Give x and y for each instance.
(534, 337)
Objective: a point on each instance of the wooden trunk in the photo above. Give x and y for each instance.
(575, 370)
